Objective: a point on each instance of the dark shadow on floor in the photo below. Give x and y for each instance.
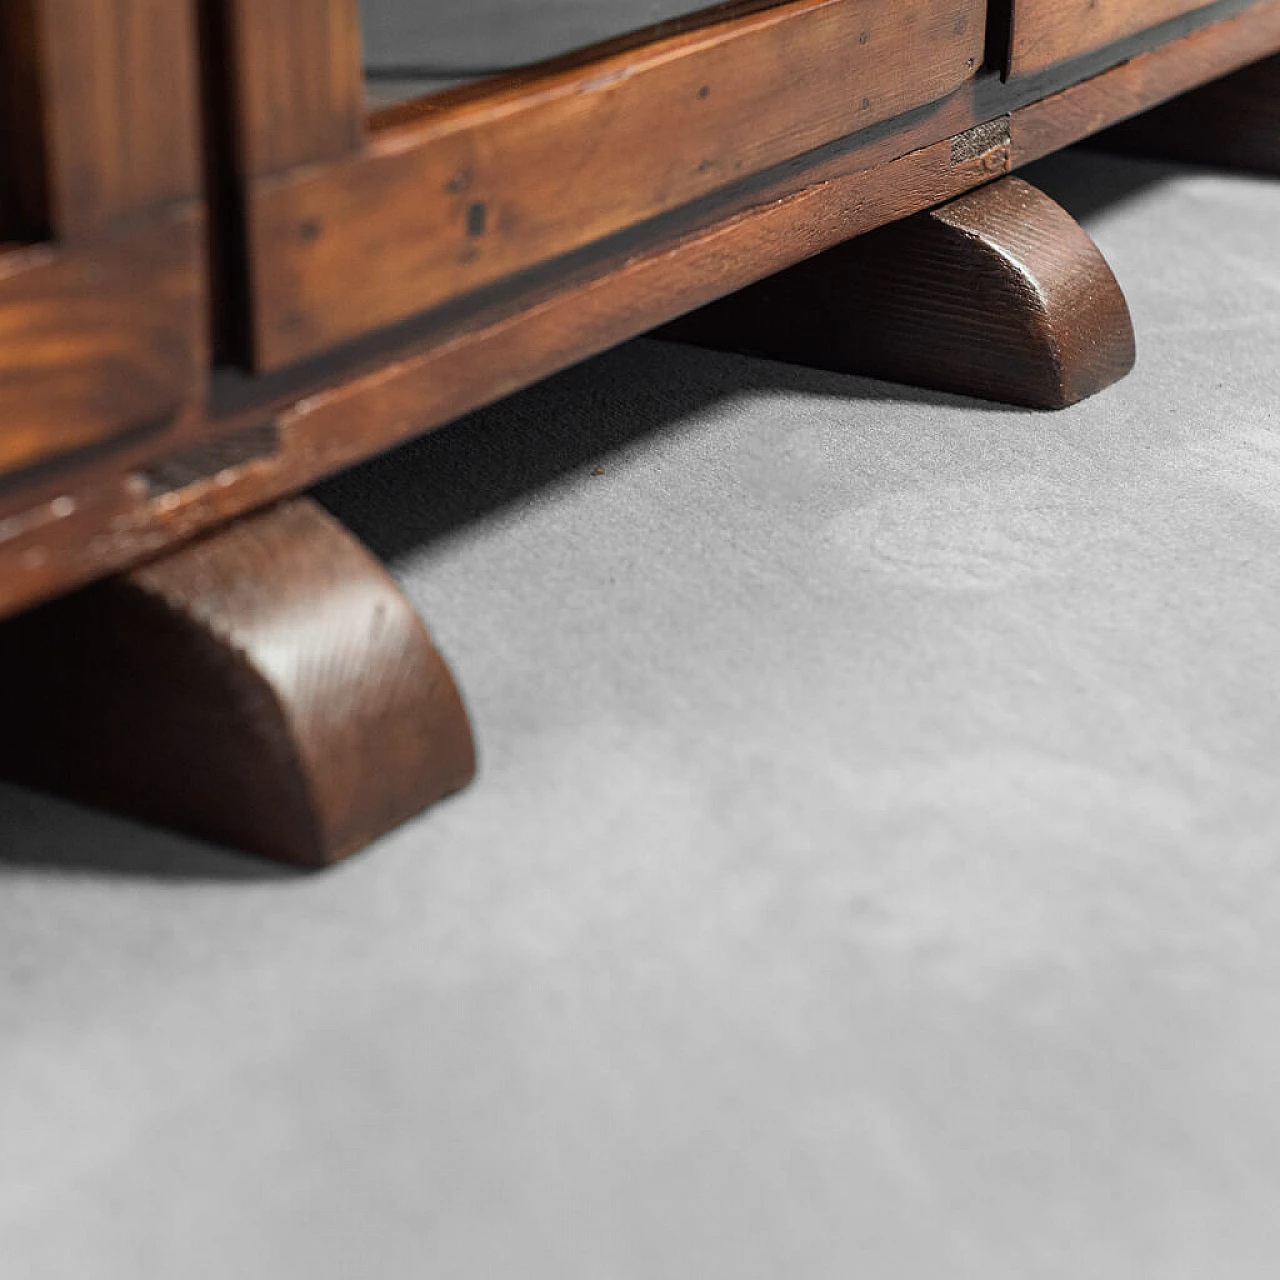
(1087, 182)
(443, 481)
(43, 833)
(492, 458)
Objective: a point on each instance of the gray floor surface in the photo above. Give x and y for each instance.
(874, 870)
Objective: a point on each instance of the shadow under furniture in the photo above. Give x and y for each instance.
(309, 230)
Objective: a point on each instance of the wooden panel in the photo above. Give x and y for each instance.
(120, 105)
(299, 82)
(1144, 82)
(474, 192)
(96, 343)
(59, 532)
(1233, 122)
(1049, 31)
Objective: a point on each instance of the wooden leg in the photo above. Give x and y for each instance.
(1233, 123)
(267, 688)
(999, 294)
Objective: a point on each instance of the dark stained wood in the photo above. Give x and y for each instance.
(1234, 123)
(392, 395)
(102, 317)
(57, 531)
(268, 688)
(118, 109)
(469, 193)
(998, 294)
(99, 342)
(300, 85)
(1048, 31)
(1144, 82)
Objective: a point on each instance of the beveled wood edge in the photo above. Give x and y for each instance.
(493, 89)
(103, 169)
(60, 533)
(1040, 128)
(998, 294)
(311, 163)
(104, 308)
(268, 688)
(463, 196)
(295, 72)
(104, 346)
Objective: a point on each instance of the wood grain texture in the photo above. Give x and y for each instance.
(99, 341)
(268, 688)
(1144, 81)
(60, 531)
(299, 81)
(998, 294)
(473, 192)
(1044, 32)
(1234, 123)
(479, 358)
(118, 109)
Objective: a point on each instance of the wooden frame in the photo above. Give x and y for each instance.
(102, 282)
(1045, 32)
(257, 438)
(355, 222)
(355, 225)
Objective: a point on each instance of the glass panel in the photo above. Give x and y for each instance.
(415, 47)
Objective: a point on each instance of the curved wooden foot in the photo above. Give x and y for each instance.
(1232, 123)
(267, 688)
(999, 294)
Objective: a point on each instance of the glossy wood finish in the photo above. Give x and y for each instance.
(267, 688)
(261, 438)
(298, 80)
(1143, 82)
(1234, 122)
(99, 343)
(118, 101)
(446, 200)
(998, 294)
(1045, 32)
(102, 310)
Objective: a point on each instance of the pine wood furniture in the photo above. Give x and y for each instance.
(224, 274)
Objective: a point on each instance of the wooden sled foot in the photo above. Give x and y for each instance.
(999, 294)
(1233, 123)
(267, 688)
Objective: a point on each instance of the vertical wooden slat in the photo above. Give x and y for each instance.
(102, 325)
(301, 88)
(120, 109)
